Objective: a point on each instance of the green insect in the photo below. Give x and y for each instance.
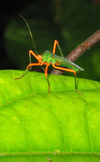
(50, 58)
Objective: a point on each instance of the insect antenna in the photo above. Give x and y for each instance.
(30, 34)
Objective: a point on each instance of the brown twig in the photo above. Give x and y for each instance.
(79, 50)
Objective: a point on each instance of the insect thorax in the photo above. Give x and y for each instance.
(47, 56)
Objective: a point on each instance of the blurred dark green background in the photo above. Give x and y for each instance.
(70, 22)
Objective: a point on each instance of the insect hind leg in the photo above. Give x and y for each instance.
(69, 70)
(54, 48)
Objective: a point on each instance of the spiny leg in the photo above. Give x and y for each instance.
(46, 71)
(69, 70)
(54, 48)
(28, 68)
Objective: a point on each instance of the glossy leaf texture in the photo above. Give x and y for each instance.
(35, 125)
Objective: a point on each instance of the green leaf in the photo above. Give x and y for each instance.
(35, 125)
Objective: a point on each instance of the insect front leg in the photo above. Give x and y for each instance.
(36, 56)
(46, 71)
(28, 68)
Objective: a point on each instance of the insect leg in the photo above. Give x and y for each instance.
(54, 48)
(28, 68)
(32, 53)
(69, 70)
(46, 71)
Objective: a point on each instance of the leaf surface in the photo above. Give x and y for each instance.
(62, 125)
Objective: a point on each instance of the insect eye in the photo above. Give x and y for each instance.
(39, 56)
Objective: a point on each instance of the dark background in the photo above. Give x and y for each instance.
(70, 22)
